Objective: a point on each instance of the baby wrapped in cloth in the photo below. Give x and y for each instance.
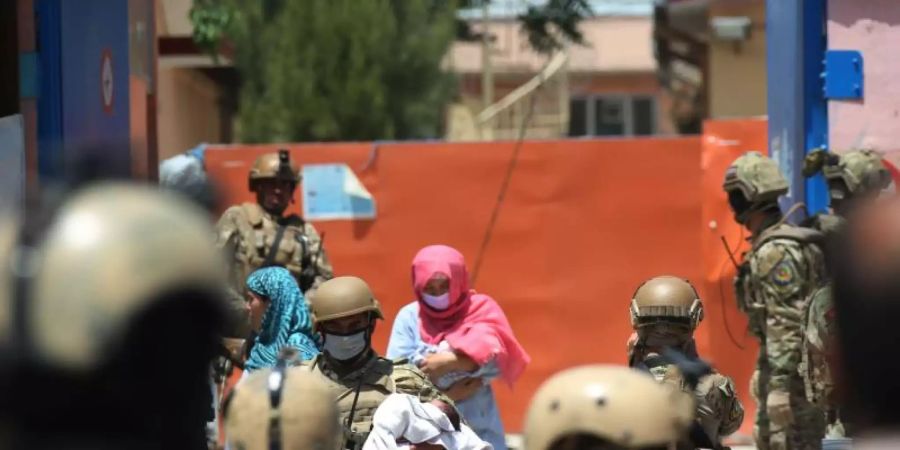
(486, 372)
(403, 422)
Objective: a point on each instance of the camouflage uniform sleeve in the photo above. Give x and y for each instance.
(408, 379)
(819, 328)
(324, 271)
(732, 409)
(227, 228)
(719, 411)
(782, 268)
(228, 241)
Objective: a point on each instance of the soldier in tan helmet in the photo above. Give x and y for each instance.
(601, 407)
(665, 311)
(110, 306)
(258, 234)
(271, 410)
(345, 313)
(783, 267)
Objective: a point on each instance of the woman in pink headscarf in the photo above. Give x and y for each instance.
(459, 338)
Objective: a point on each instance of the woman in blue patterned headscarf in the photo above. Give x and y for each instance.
(286, 321)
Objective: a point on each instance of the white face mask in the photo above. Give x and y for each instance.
(440, 302)
(343, 348)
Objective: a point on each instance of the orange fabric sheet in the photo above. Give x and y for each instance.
(582, 224)
(727, 342)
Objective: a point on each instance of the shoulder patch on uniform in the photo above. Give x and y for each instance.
(783, 273)
(767, 257)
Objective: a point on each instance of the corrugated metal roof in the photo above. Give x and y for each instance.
(505, 9)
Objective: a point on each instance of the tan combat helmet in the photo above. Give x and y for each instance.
(274, 166)
(108, 254)
(664, 298)
(612, 404)
(857, 172)
(343, 297)
(753, 182)
(286, 409)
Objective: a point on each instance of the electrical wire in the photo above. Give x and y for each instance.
(722, 289)
(501, 196)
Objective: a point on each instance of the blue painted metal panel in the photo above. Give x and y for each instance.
(798, 111)
(72, 120)
(784, 69)
(815, 106)
(91, 31)
(49, 120)
(843, 75)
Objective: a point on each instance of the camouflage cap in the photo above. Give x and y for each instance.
(274, 166)
(665, 297)
(307, 413)
(110, 251)
(611, 403)
(860, 171)
(343, 297)
(758, 179)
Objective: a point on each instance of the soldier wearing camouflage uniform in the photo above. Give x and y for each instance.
(345, 312)
(784, 266)
(606, 407)
(852, 176)
(257, 234)
(270, 410)
(665, 311)
(110, 306)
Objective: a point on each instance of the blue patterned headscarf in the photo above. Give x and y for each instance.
(286, 322)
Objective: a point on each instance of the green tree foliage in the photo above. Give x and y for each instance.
(548, 25)
(325, 70)
(328, 70)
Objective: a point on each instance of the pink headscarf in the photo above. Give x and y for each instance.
(474, 323)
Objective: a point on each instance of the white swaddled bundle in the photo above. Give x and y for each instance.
(403, 418)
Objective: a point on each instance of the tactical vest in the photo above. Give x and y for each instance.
(259, 234)
(745, 287)
(376, 380)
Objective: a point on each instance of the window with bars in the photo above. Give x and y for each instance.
(612, 115)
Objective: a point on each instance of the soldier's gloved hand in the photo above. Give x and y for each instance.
(778, 408)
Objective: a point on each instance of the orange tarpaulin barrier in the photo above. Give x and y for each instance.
(582, 224)
(727, 342)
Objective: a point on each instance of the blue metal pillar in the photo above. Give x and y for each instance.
(815, 104)
(797, 108)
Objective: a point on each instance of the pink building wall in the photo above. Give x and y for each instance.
(873, 28)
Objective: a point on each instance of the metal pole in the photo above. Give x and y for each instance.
(798, 111)
(487, 75)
